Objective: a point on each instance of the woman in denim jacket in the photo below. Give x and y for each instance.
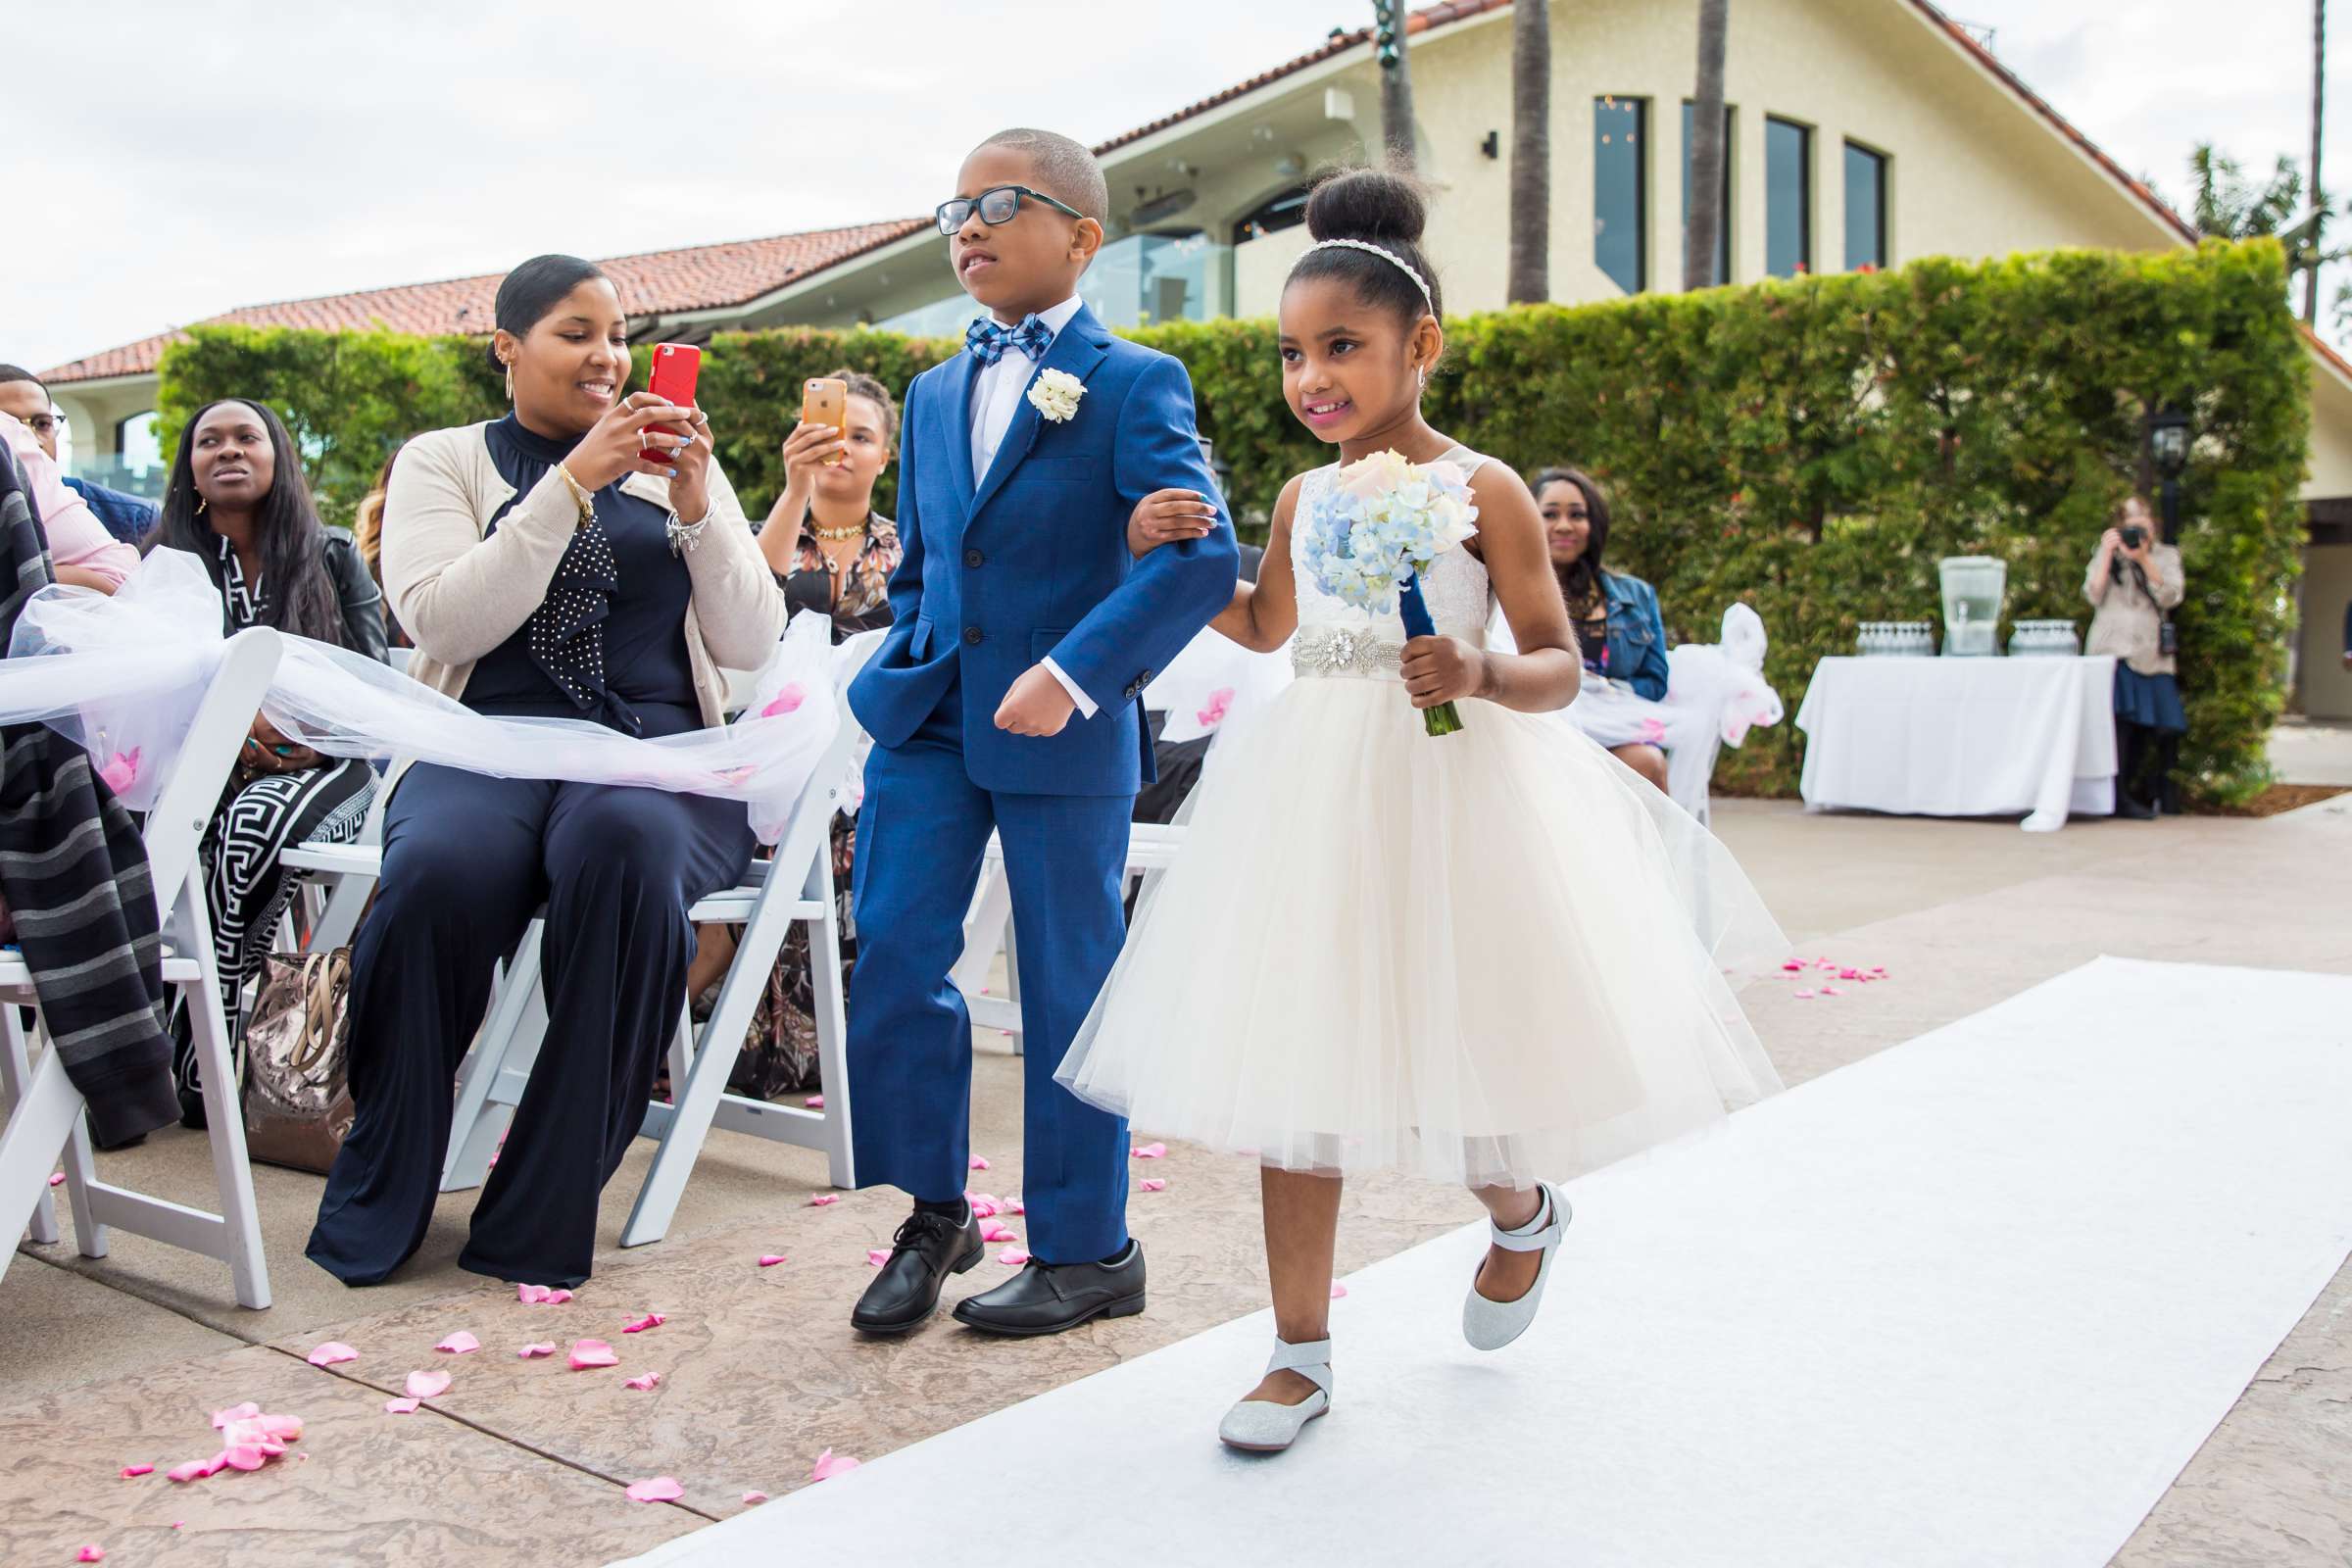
(1617, 624)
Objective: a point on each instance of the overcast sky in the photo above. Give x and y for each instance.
(181, 158)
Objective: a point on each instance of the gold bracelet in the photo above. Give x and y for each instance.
(579, 496)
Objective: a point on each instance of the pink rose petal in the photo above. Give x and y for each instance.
(56, 1178)
(770, 1259)
(877, 1255)
(1153, 1184)
(245, 1457)
(995, 1229)
(829, 1464)
(651, 1380)
(541, 1295)
(235, 1412)
(531, 1352)
(814, 1103)
(120, 770)
(93, 1552)
(331, 1353)
(1793, 963)
(1015, 1205)
(400, 1407)
(661, 1489)
(979, 1163)
(985, 1205)
(130, 1470)
(1151, 1151)
(824, 1201)
(786, 701)
(586, 1354)
(1831, 990)
(752, 1500)
(192, 1470)
(1803, 995)
(460, 1343)
(428, 1384)
(1337, 1289)
(1012, 1257)
(651, 1320)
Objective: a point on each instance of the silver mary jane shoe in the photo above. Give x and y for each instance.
(1492, 1325)
(1261, 1426)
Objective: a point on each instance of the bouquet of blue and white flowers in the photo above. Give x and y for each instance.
(1376, 527)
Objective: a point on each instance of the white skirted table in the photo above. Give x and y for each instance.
(1962, 737)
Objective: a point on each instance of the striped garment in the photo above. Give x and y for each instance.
(74, 875)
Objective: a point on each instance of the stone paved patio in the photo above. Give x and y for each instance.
(121, 1360)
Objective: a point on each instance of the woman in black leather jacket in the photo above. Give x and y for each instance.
(237, 502)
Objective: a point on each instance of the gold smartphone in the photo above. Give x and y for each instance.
(826, 401)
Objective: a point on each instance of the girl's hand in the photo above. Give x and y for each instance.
(1439, 669)
(611, 445)
(806, 451)
(1165, 516)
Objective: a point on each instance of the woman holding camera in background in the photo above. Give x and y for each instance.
(2133, 583)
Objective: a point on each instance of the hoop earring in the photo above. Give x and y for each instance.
(1421, 372)
(199, 503)
(509, 364)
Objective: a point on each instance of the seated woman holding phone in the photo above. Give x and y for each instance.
(581, 558)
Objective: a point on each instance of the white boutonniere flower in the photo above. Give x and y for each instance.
(1055, 394)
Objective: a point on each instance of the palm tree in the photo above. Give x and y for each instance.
(1395, 83)
(1530, 279)
(2318, 197)
(1704, 233)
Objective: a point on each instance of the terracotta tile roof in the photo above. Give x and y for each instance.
(656, 282)
(2033, 100)
(1415, 22)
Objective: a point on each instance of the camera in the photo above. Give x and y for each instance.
(2135, 536)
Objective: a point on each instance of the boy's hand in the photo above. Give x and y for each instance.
(1038, 704)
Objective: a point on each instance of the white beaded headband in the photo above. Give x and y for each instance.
(1391, 257)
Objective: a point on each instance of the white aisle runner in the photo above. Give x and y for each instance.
(1975, 1299)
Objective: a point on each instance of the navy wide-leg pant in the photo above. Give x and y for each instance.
(467, 862)
(920, 839)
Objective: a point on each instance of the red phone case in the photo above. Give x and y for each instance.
(677, 369)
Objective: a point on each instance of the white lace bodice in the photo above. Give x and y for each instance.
(1459, 595)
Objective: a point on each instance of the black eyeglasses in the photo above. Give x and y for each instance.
(996, 205)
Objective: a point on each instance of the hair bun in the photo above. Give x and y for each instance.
(1367, 204)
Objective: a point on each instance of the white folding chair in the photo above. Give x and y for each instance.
(47, 1116)
(796, 884)
(988, 926)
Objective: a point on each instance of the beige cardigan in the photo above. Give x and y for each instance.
(2127, 622)
(459, 595)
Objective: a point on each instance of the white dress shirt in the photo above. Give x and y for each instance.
(996, 393)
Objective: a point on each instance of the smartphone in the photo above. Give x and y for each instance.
(676, 368)
(826, 401)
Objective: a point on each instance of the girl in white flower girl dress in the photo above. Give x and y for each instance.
(1492, 956)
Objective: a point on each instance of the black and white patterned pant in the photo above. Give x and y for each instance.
(244, 890)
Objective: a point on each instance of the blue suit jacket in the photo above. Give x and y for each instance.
(1030, 559)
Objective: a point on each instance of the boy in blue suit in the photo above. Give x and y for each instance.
(1007, 697)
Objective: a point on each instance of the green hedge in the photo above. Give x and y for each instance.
(1811, 446)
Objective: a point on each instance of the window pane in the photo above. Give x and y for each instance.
(1865, 207)
(1788, 198)
(1722, 233)
(1620, 200)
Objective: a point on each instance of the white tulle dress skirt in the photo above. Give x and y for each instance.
(1492, 957)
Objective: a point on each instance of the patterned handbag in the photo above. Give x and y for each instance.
(296, 1093)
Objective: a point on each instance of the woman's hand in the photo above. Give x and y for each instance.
(2142, 553)
(267, 749)
(690, 479)
(1165, 516)
(1439, 669)
(806, 451)
(2110, 542)
(612, 445)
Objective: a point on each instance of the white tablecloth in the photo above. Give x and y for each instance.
(1962, 737)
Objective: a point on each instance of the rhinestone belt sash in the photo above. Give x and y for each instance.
(1344, 651)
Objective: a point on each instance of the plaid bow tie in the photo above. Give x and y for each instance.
(988, 341)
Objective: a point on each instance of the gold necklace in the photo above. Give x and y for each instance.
(855, 530)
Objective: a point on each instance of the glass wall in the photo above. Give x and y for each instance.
(1723, 234)
(1865, 206)
(1788, 198)
(1620, 191)
(1135, 281)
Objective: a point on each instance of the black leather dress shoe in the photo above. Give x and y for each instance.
(1049, 1297)
(926, 1251)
